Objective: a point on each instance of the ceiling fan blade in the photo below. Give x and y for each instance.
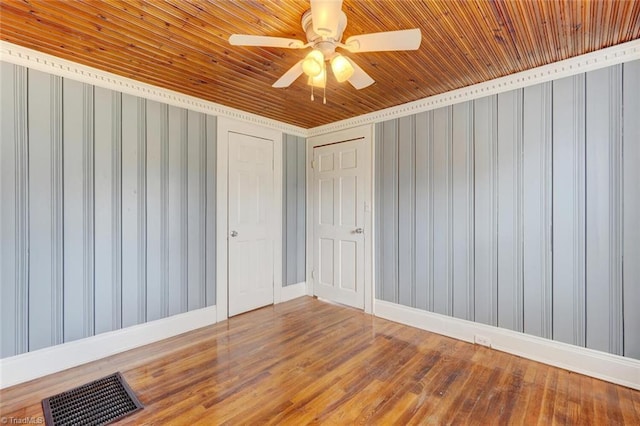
(265, 41)
(325, 15)
(360, 79)
(385, 41)
(290, 76)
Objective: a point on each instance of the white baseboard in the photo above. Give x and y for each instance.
(601, 365)
(31, 365)
(294, 291)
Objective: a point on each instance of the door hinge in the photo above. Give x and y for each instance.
(313, 164)
(313, 274)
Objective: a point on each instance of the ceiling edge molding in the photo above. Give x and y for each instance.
(34, 59)
(39, 61)
(613, 55)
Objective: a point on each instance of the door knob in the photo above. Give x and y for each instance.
(359, 231)
(234, 233)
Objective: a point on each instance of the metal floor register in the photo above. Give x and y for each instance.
(97, 403)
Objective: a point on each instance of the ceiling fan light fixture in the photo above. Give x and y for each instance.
(319, 81)
(313, 64)
(342, 68)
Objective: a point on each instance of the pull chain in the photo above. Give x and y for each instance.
(324, 90)
(312, 93)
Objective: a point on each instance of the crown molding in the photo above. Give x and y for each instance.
(618, 54)
(39, 61)
(602, 58)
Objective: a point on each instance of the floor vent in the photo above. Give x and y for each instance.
(97, 403)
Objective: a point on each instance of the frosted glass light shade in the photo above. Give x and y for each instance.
(313, 64)
(342, 69)
(318, 81)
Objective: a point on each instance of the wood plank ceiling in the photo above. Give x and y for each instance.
(182, 45)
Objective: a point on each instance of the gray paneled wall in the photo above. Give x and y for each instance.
(631, 211)
(294, 208)
(519, 210)
(108, 210)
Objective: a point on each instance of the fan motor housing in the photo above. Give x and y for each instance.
(326, 45)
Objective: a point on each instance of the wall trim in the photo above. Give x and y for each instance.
(226, 126)
(602, 58)
(601, 365)
(31, 365)
(367, 134)
(293, 291)
(33, 59)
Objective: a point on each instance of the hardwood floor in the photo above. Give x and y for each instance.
(306, 361)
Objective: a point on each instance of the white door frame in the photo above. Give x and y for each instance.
(365, 132)
(226, 125)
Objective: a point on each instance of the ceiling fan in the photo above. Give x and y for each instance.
(324, 25)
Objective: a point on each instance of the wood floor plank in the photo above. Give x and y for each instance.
(311, 362)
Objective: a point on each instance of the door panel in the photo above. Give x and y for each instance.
(251, 243)
(348, 201)
(326, 201)
(338, 213)
(348, 261)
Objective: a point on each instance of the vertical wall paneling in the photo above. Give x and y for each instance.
(424, 210)
(293, 219)
(164, 210)
(45, 221)
(285, 210)
(290, 217)
(107, 210)
(196, 209)
(134, 228)
(378, 209)
(604, 209)
(536, 214)
(9, 237)
(631, 214)
(406, 211)
(88, 207)
(510, 279)
(301, 211)
(462, 214)
(157, 140)
(116, 194)
(569, 210)
(486, 250)
(210, 225)
(57, 214)
(77, 210)
(519, 210)
(14, 222)
(292, 209)
(442, 211)
(390, 211)
(177, 211)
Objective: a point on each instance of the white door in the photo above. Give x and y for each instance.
(339, 175)
(251, 240)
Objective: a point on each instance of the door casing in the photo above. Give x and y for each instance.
(365, 132)
(225, 126)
